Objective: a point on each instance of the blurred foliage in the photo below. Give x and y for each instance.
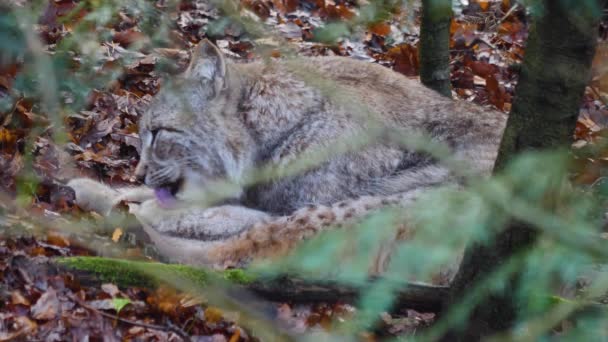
(61, 53)
(569, 251)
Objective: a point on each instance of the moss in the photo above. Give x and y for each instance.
(238, 276)
(122, 272)
(149, 274)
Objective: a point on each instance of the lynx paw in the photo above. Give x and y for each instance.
(94, 196)
(135, 194)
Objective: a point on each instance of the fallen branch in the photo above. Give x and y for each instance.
(420, 297)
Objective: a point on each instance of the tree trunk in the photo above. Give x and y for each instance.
(434, 45)
(554, 74)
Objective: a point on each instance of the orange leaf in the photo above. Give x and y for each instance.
(235, 337)
(128, 37)
(484, 4)
(7, 137)
(496, 92)
(18, 298)
(510, 27)
(284, 6)
(462, 33)
(117, 234)
(481, 69)
(406, 60)
(338, 12)
(381, 29)
(165, 299)
(57, 239)
(213, 315)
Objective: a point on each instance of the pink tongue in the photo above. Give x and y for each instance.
(164, 197)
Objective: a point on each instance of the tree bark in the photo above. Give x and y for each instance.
(434, 45)
(553, 78)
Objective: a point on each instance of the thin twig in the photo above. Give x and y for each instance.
(602, 98)
(170, 328)
(508, 14)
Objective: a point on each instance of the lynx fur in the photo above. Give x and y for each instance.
(223, 120)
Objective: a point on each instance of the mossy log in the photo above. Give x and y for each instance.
(149, 274)
(283, 288)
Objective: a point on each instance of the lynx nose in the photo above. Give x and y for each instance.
(140, 178)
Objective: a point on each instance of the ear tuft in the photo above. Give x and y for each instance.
(207, 64)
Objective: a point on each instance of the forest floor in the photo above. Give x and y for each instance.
(38, 301)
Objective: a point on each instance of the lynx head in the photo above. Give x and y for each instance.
(190, 135)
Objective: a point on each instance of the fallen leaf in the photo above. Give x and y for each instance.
(405, 57)
(21, 326)
(47, 307)
(381, 28)
(57, 239)
(484, 5)
(110, 289)
(236, 336)
(117, 234)
(18, 298)
(213, 314)
(120, 303)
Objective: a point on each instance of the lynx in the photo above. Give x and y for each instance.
(222, 121)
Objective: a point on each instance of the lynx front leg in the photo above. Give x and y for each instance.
(191, 235)
(95, 196)
(233, 235)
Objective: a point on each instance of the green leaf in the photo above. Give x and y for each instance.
(120, 303)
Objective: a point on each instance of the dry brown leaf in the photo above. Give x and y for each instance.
(47, 307)
(18, 298)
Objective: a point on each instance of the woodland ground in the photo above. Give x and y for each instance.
(41, 302)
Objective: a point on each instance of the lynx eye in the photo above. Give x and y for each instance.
(154, 132)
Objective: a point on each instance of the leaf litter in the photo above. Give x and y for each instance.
(40, 301)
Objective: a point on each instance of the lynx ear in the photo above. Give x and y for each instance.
(207, 65)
